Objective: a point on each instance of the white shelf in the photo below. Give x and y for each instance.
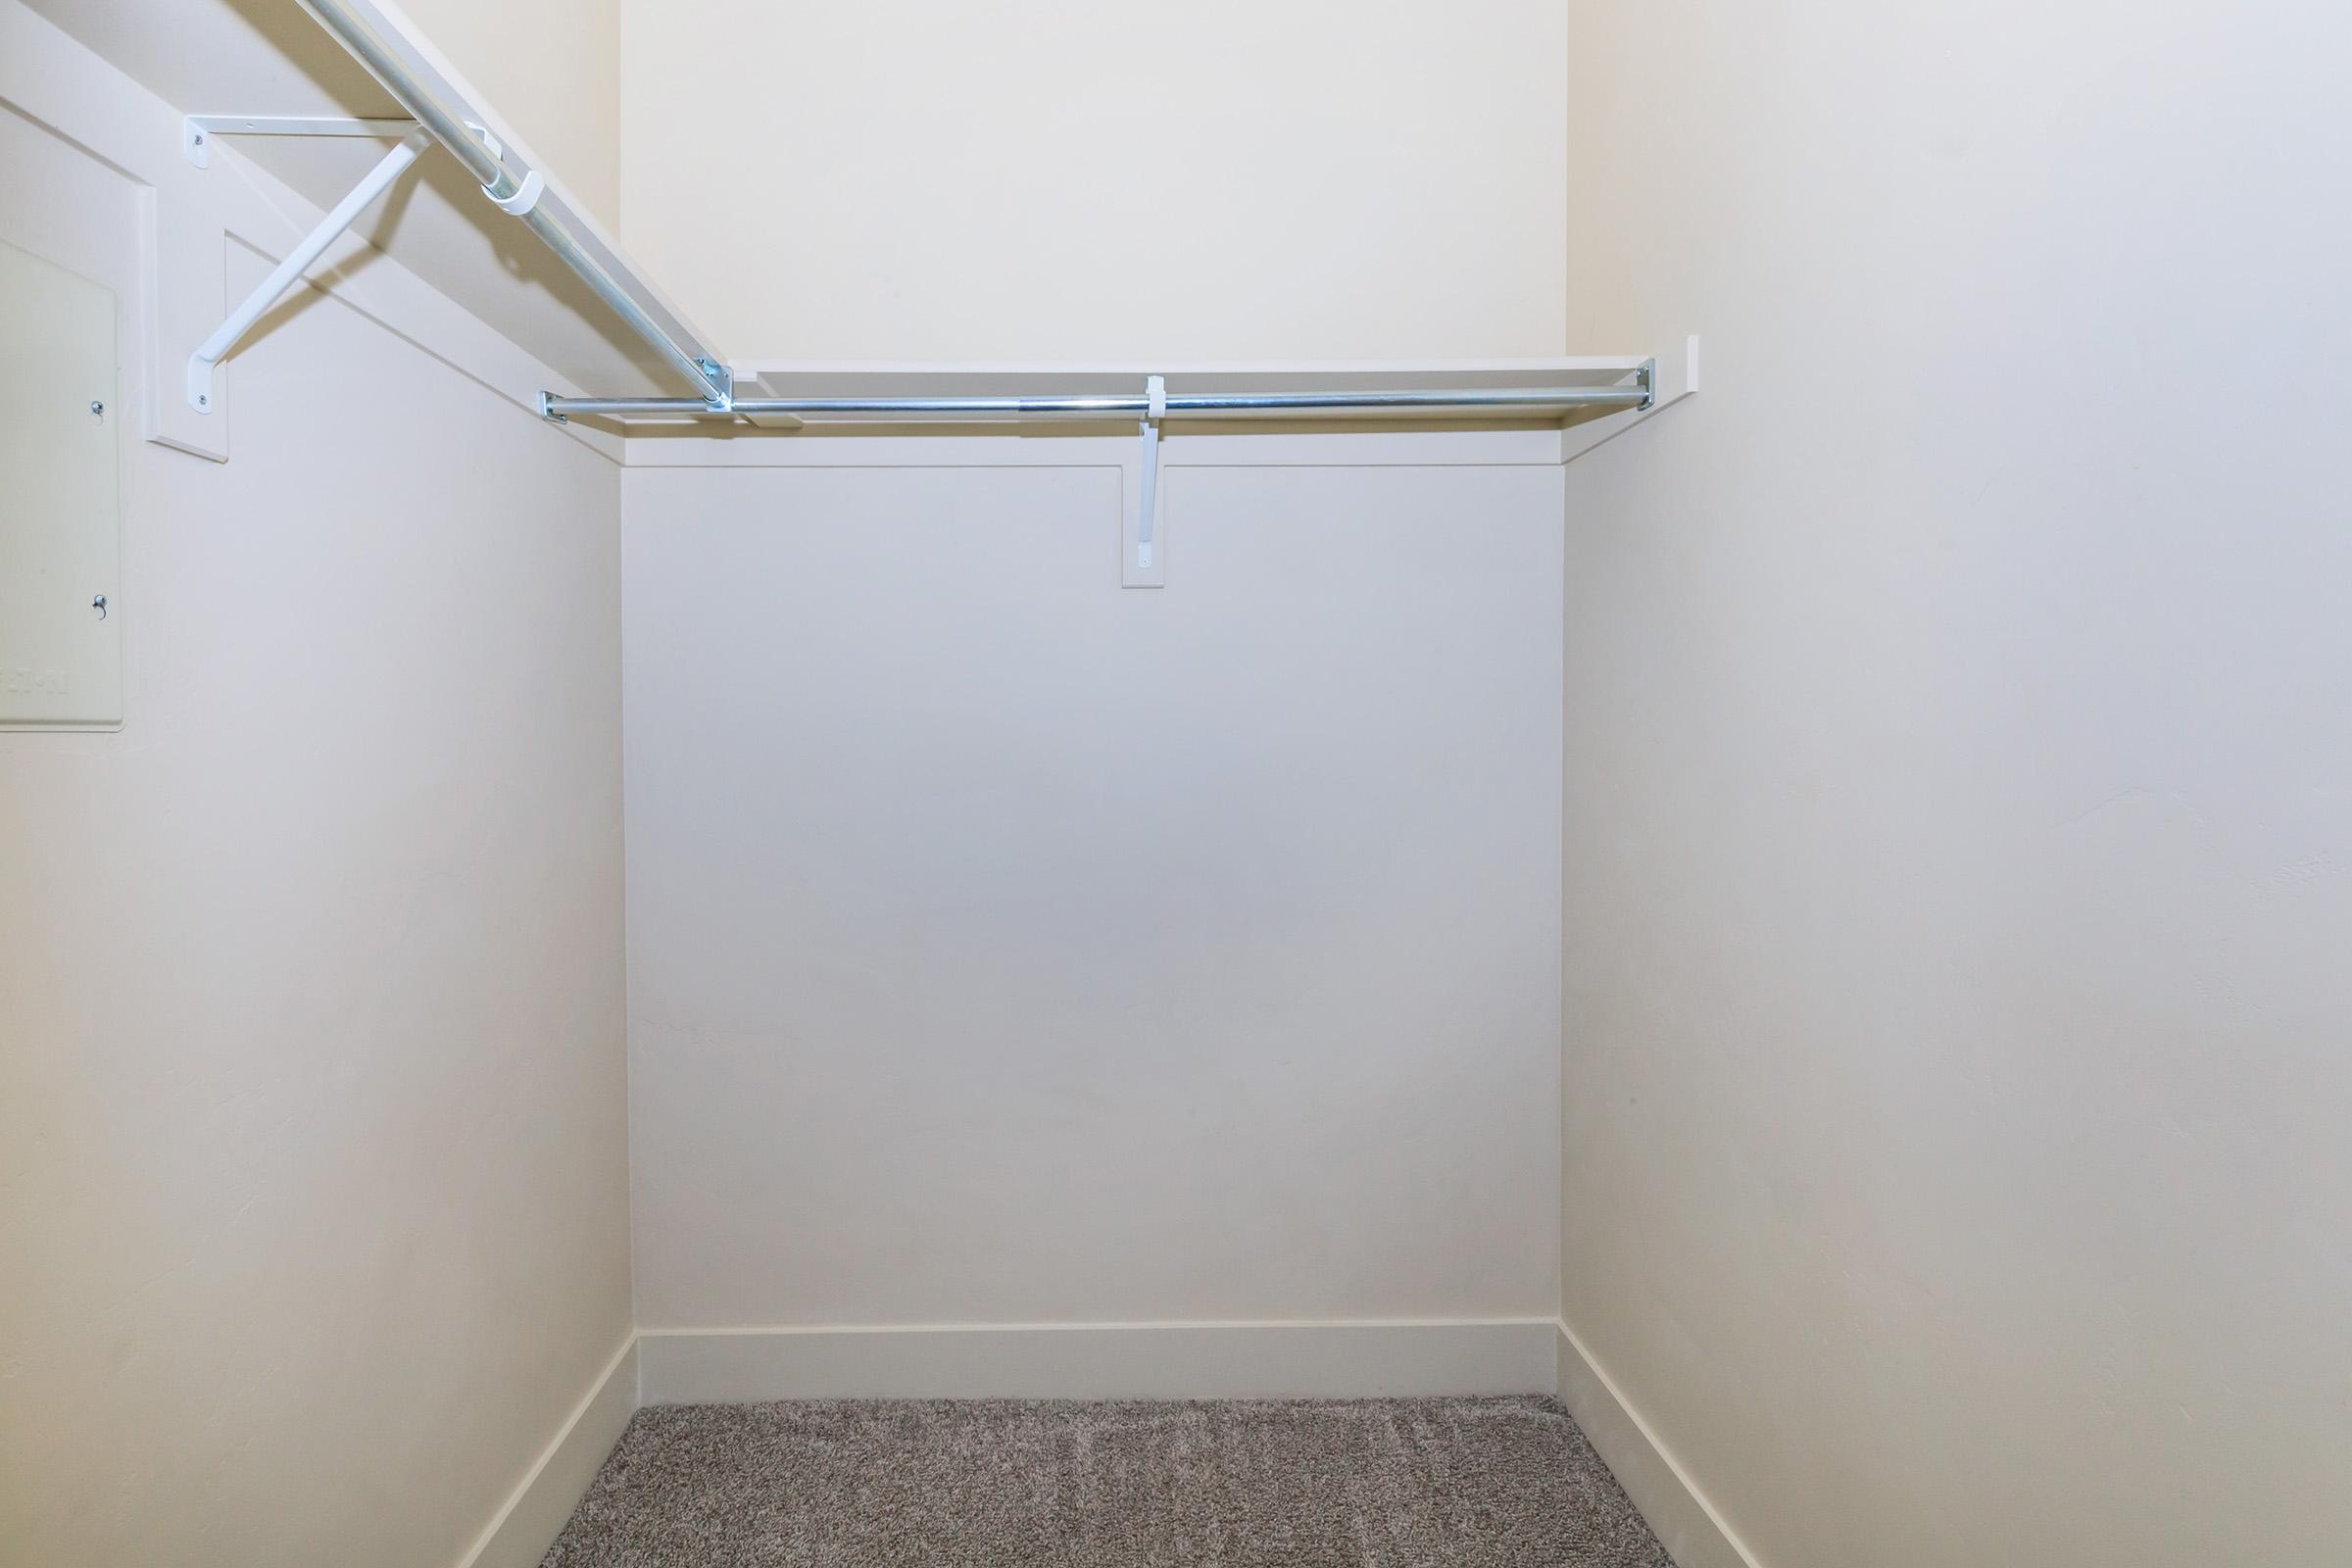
(877, 378)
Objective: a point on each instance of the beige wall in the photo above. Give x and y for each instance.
(1007, 947)
(1959, 791)
(1060, 179)
(313, 1182)
(550, 68)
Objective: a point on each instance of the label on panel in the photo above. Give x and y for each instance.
(61, 628)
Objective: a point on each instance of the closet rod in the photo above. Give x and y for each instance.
(1135, 405)
(421, 88)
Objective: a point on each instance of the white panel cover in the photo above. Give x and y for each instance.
(61, 650)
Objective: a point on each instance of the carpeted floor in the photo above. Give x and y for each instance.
(1506, 1483)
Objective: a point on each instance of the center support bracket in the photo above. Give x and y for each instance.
(1147, 520)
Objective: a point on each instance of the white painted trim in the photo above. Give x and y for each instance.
(1680, 1515)
(1100, 1361)
(1105, 447)
(534, 1515)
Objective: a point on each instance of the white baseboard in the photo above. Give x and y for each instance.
(1099, 1361)
(1692, 1533)
(1104, 1361)
(535, 1514)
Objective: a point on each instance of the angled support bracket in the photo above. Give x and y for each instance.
(287, 273)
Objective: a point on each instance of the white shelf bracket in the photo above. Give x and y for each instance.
(287, 273)
(197, 131)
(1147, 521)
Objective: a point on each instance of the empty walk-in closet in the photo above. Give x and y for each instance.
(1312, 784)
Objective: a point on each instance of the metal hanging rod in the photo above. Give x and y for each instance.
(1136, 405)
(421, 88)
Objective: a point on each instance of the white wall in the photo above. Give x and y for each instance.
(1007, 946)
(552, 70)
(1062, 179)
(1959, 790)
(311, 1158)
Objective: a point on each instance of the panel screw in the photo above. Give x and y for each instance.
(99, 605)
(199, 138)
(97, 407)
(202, 400)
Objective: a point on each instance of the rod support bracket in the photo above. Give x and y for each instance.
(1648, 384)
(723, 379)
(525, 196)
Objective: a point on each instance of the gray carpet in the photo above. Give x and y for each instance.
(1311, 1484)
